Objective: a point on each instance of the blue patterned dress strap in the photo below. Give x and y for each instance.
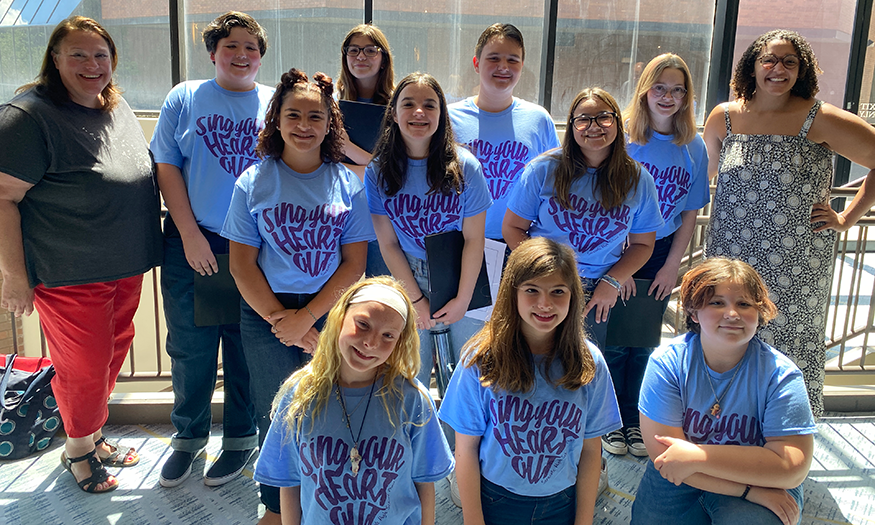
(725, 106)
(809, 120)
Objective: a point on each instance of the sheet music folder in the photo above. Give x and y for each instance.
(216, 299)
(362, 122)
(443, 256)
(639, 323)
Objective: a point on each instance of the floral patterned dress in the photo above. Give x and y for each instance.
(766, 187)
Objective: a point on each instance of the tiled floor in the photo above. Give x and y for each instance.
(36, 490)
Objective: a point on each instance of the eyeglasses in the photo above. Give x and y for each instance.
(604, 120)
(369, 51)
(769, 61)
(659, 90)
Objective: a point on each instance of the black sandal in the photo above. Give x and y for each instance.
(98, 472)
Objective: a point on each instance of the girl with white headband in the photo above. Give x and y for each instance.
(354, 435)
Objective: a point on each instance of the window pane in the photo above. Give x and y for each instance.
(826, 24)
(439, 38)
(143, 70)
(307, 38)
(600, 44)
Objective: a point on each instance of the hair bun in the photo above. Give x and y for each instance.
(292, 77)
(324, 82)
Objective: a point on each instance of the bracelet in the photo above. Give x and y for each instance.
(744, 494)
(311, 313)
(613, 282)
(421, 297)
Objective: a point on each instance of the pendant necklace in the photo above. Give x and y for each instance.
(354, 456)
(715, 408)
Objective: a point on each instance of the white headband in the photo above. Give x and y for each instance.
(384, 295)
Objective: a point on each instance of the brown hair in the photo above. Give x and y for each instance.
(698, 286)
(615, 178)
(49, 82)
(221, 27)
(743, 82)
(508, 31)
(683, 122)
(500, 350)
(346, 83)
(270, 141)
(443, 168)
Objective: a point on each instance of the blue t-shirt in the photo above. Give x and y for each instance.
(531, 442)
(210, 134)
(767, 398)
(597, 235)
(504, 143)
(415, 214)
(298, 221)
(680, 174)
(393, 459)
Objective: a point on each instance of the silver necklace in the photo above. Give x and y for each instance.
(354, 456)
(715, 408)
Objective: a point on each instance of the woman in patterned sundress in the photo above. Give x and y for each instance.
(773, 150)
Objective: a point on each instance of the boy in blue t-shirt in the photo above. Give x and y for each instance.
(205, 138)
(503, 132)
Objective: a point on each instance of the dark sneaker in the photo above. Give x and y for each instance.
(177, 468)
(615, 442)
(228, 466)
(634, 442)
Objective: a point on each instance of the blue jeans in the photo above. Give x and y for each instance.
(193, 352)
(502, 507)
(375, 264)
(270, 363)
(660, 502)
(460, 331)
(627, 364)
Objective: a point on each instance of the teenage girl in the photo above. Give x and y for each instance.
(531, 399)
(420, 183)
(725, 416)
(354, 438)
(592, 196)
(662, 136)
(298, 226)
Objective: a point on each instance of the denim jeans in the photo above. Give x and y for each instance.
(502, 507)
(460, 331)
(627, 364)
(193, 352)
(375, 264)
(270, 363)
(660, 502)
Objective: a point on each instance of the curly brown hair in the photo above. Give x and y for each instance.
(270, 141)
(743, 80)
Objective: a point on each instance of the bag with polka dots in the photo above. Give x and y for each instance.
(29, 416)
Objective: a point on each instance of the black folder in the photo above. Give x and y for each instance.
(362, 122)
(443, 256)
(216, 299)
(638, 323)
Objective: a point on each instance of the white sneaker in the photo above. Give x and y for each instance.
(603, 478)
(454, 489)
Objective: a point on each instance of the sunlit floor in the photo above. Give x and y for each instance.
(37, 490)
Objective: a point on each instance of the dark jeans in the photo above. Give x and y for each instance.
(502, 507)
(627, 364)
(193, 352)
(270, 363)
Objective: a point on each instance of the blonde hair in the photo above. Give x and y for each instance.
(683, 122)
(313, 385)
(500, 350)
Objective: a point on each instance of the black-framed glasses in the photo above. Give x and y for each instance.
(369, 51)
(604, 120)
(769, 61)
(677, 92)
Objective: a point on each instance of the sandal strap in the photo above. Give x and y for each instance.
(98, 475)
(81, 458)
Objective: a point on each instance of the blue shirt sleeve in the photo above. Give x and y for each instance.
(240, 226)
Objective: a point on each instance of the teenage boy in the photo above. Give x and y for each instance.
(502, 131)
(205, 138)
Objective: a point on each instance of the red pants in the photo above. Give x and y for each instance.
(89, 329)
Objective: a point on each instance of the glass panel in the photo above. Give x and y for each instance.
(606, 44)
(826, 24)
(439, 38)
(866, 108)
(307, 38)
(143, 70)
